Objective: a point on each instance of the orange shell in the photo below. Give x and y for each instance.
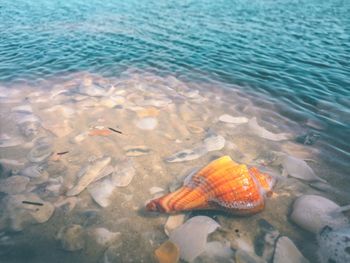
(221, 185)
(100, 132)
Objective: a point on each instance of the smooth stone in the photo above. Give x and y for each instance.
(230, 119)
(287, 252)
(191, 237)
(103, 236)
(148, 123)
(80, 137)
(71, 238)
(14, 184)
(92, 172)
(168, 252)
(173, 222)
(299, 169)
(334, 245)
(263, 133)
(123, 174)
(135, 151)
(313, 212)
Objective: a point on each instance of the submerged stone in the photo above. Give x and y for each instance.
(334, 245)
(313, 212)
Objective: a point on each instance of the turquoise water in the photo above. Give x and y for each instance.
(293, 54)
(182, 66)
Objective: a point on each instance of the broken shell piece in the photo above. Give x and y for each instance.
(147, 112)
(214, 142)
(173, 222)
(168, 252)
(313, 212)
(287, 252)
(101, 191)
(100, 132)
(124, 172)
(71, 238)
(221, 185)
(299, 169)
(215, 251)
(8, 141)
(263, 133)
(146, 123)
(92, 172)
(230, 119)
(103, 236)
(135, 151)
(21, 210)
(14, 184)
(191, 237)
(41, 151)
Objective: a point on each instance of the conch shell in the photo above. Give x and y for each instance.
(221, 185)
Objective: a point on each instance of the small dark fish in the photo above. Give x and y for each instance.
(62, 153)
(32, 203)
(115, 130)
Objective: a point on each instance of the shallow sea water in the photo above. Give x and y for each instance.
(161, 75)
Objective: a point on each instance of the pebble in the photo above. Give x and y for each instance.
(334, 245)
(313, 212)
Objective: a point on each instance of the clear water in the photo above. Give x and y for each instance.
(285, 62)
